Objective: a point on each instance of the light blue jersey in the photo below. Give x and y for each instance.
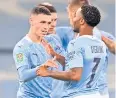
(56, 37)
(57, 85)
(103, 83)
(91, 57)
(28, 57)
(66, 34)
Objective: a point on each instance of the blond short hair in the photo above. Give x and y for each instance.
(78, 2)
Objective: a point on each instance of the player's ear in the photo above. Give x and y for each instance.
(82, 21)
(30, 20)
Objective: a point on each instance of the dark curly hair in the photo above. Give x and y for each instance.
(91, 15)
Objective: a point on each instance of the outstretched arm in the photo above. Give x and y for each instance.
(73, 74)
(26, 73)
(50, 50)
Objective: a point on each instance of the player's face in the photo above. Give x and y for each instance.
(78, 20)
(72, 10)
(41, 24)
(80, 1)
(83, 2)
(53, 23)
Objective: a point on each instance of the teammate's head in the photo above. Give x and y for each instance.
(53, 16)
(86, 16)
(73, 5)
(40, 20)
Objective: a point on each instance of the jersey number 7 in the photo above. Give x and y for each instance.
(97, 61)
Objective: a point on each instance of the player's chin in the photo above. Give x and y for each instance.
(51, 29)
(44, 33)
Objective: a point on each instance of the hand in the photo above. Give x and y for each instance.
(110, 44)
(107, 41)
(44, 42)
(50, 63)
(48, 48)
(43, 71)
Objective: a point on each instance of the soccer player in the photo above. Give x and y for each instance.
(66, 37)
(57, 85)
(110, 44)
(103, 85)
(54, 17)
(84, 61)
(29, 55)
(66, 34)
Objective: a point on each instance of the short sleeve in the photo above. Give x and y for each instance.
(74, 58)
(20, 57)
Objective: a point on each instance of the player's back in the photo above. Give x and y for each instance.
(103, 83)
(93, 52)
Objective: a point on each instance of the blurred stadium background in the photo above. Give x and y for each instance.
(14, 25)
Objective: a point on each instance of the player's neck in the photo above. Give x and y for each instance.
(33, 36)
(86, 31)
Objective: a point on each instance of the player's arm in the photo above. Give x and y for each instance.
(24, 69)
(22, 63)
(50, 50)
(73, 74)
(75, 66)
(26, 73)
(59, 58)
(110, 44)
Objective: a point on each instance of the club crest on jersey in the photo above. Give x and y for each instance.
(19, 57)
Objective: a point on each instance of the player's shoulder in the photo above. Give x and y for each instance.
(98, 33)
(107, 34)
(65, 32)
(72, 41)
(75, 43)
(22, 45)
(53, 36)
(50, 37)
(85, 39)
(64, 29)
